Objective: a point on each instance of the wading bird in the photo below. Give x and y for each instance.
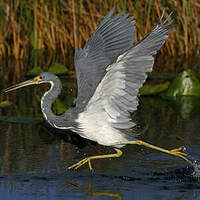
(110, 70)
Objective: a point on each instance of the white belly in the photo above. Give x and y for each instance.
(96, 127)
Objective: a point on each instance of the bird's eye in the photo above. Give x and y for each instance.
(38, 78)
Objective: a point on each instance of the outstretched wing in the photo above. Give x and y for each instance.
(117, 93)
(113, 37)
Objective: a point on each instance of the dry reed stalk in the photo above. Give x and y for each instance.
(64, 32)
(52, 37)
(157, 9)
(68, 24)
(185, 27)
(15, 39)
(92, 11)
(74, 24)
(40, 33)
(62, 47)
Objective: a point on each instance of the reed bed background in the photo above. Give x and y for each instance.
(39, 27)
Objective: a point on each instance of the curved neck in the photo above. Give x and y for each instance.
(64, 121)
(48, 99)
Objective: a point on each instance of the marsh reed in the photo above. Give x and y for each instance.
(51, 27)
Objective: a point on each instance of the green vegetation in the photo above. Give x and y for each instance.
(185, 84)
(34, 71)
(154, 89)
(58, 69)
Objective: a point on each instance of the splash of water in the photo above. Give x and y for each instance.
(196, 166)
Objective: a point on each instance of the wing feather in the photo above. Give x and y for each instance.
(117, 93)
(113, 37)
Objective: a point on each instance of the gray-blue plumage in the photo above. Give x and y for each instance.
(113, 37)
(110, 70)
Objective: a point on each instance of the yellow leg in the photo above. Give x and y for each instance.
(88, 159)
(175, 152)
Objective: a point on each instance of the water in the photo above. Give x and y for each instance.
(34, 157)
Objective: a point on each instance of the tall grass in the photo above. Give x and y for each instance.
(51, 27)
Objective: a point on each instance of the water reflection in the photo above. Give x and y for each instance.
(89, 190)
(185, 106)
(34, 156)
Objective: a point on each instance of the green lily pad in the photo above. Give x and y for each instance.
(154, 89)
(35, 71)
(70, 101)
(185, 83)
(59, 107)
(58, 69)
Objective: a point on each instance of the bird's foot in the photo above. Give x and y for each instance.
(82, 162)
(175, 152)
(179, 153)
(88, 159)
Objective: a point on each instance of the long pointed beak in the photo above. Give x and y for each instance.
(20, 85)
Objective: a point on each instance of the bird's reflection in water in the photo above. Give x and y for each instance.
(91, 192)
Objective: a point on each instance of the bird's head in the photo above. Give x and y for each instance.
(44, 77)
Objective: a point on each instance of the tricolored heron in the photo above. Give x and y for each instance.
(110, 70)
